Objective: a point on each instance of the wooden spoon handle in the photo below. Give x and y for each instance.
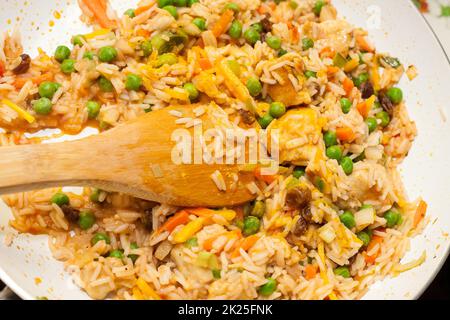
(39, 166)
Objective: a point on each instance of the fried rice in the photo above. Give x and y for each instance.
(322, 228)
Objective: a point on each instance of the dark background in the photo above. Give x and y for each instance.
(438, 290)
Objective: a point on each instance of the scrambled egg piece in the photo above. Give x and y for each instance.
(300, 134)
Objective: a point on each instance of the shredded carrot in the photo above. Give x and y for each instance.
(348, 86)
(201, 212)
(310, 271)
(363, 44)
(244, 244)
(205, 64)
(98, 8)
(19, 82)
(266, 178)
(345, 134)
(143, 33)
(221, 25)
(420, 213)
(332, 70)
(181, 217)
(375, 240)
(139, 10)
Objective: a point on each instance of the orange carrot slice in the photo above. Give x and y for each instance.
(310, 271)
(375, 240)
(420, 213)
(181, 217)
(221, 25)
(98, 8)
(244, 244)
(345, 134)
(348, 86)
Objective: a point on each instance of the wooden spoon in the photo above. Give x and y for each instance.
(124, 159)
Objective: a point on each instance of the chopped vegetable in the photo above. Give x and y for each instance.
(221, 25)
(310, 271)
(22, 113)
(420, 213)
(268, 288)
(189, 230)
(146, 289)
(345, 134)
(181, 217)
(98, 8)
(364, 218)
(376, 240)
(244, 244)
(342, 271)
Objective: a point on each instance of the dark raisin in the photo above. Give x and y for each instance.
(24, 64)
(366, 90)
(147, 219)
(300, 227)
(298, 197)
(246, 116)
(266, 24)
(306, 213)
(70, 213)
(386, 103)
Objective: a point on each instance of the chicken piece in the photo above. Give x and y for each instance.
(286, 93)
(299, 134)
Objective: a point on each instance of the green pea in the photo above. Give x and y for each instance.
(94, 197)
(363, 77)
(130, 13)
(299, 172)
(366, 206)
(232, 6)
(384, 117)
(60, 199)
(180, 3)
(159, 44)
(282, 52)
(191, 2)
(274, 42)
(147, 48)
(192, 242)
(133, 256)
(86, 219)
(364, 237)
(293, 4)
(318, 7)
(62, 53)
(105, 85)
(88, 55)
(395, 95)
(133, 82)
(392, 218)
(251, 225)
(107, 54)
(348, 219)
(342, 271)
(172, 10)
(93, 108)
(268, 288)
(191, 90)
(307, 43)
(163, 3)
(47, 89)
(235, 30)
(251, 35)
(100, 236)
(310, 74)
(347, 165)
(235, 67)
(319, 183)
(167, 58)
(334, 152)
(330, 138)
(346, 105)
(116, 254)
(257, 26)
(259, 209)
(216, 273)
(265, 120)
(77, 40)
(68, 66)
(372, 124)
(200, 23)
(277, 109)
(254, 86)
(42, 106)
